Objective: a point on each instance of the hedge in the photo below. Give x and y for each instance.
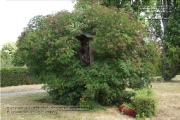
(145, 102)
(16, 76)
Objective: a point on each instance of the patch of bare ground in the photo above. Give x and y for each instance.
(20, 88)
(10, 106)
(169, 99)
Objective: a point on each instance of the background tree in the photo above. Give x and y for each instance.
(7, 53)
(172, 40)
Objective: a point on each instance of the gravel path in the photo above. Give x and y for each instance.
(21, 93)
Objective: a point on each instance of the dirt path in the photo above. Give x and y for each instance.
(20, 88)
(21, 93)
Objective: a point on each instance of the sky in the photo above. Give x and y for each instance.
(15, 15)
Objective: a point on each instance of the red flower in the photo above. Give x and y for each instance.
(127, 111)
(121, 107)
(130, 112)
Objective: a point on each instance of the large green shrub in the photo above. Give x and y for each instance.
(16, 76)
(145, 102)
(122, 57)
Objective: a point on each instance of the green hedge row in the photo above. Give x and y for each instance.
(16, 76)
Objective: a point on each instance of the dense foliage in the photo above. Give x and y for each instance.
(16, 76)
(6, 54)
(122, 56)
(172, 39)
(156, 25)
(145, 102)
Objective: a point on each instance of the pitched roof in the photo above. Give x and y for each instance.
(88, 34)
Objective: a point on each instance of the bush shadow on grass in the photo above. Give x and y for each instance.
(95, 107)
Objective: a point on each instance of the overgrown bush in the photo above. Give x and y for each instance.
(16, 76)
(122, 57)
(145, 102)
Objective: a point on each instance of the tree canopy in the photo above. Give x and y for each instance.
(172, 39)
(7, 54)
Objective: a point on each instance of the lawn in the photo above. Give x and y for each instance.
(168, 109)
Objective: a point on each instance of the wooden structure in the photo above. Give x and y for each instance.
(85, 50)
